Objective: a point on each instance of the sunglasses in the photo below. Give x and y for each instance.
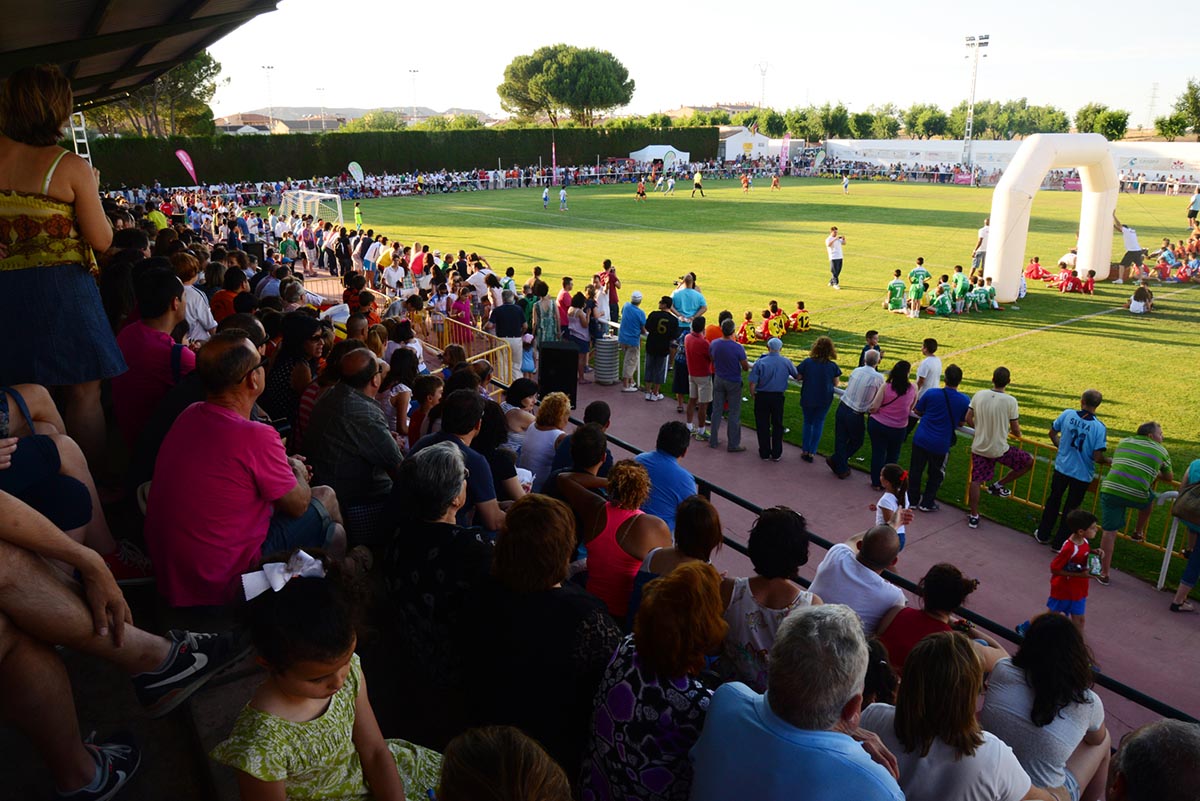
(262, 364)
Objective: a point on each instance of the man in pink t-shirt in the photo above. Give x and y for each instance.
(224, 492)
(564, 302)
(156, 362)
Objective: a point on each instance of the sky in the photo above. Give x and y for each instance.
(359, 53)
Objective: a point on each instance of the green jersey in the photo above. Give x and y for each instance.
(1136, 463)
(896, 294)
(918, 274)
(990, 292)
(960, 284)
(916, 291)
(942, 304)
(357, 217)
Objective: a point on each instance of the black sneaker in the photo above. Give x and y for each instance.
(194, 660)
(999, 490)
(972, 521)
(1037, 535)
(928, 507)
(118, 761)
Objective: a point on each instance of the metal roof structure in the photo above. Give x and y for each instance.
(111, 47)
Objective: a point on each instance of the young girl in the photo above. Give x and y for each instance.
(395, 394)
(528, 367)
(309, 731)
(891, 507)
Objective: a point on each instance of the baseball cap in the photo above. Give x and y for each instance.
(636, 297)
(775, 344)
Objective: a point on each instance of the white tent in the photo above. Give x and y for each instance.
(669, 155)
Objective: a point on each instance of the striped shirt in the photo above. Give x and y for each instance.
(861, 388)
(1137, 461)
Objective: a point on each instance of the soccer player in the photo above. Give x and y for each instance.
(799, 319)
(745, 183)
(919, 273)
(658, 184)
(562, 199)
(959, 280)
(990, 291)
(916, 291)
(357, 216)
(846, 184)
(698, 184)
(545, 198)
(895, 293)
(941, 305)
(746, 330)
(670, 186)
(641, 190)
(775, 182)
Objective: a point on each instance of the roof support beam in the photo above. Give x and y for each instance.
(94, 24)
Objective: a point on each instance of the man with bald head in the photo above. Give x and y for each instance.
(1158, 762)
(854, 576)
(357, 326)
(348, 442)
(224, 491)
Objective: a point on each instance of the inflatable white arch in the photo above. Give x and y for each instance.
(1013, 198)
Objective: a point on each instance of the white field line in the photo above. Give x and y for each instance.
(1052, 325)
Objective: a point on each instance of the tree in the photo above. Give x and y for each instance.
(1188, 104)
(1051, 120)
(658, 120)
(833, 122)
(378, 120)
(1112, 124)
(860, 124)
(585, 82)
(434, 123)
(1085, 118)
(107, 119)
(524, 92)
(701, 119)
(885, 122)
(932, 122)
(176, 102)
(1172, 126)
(465, 122)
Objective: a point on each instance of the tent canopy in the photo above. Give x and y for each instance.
(668, 154)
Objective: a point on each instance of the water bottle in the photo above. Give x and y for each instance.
(1094, 564)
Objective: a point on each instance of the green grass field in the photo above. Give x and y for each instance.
(747, 250)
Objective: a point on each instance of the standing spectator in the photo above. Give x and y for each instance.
(1191, 572)
(979, 255)
(849, 421)
(888, 423)
(611, 284)
(929, 373)
(508, 322)
(1134, 253)
(1158, 762)
(855, 578)
(819, 376)
(699, 369)
(661, 328)
(729, 362)
(1137, 463)
(791, 741)
(940, 412)
(1081, 440)
(872, 343)
(833, 246)
(768, 381)
(687, 301)
(629, 337)
(563, 302)
(994, 415)
(669, 482)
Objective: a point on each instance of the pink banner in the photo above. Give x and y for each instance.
(553, 163)
(1072, 184)
(783, 151)
(963, 178)
(186, 161)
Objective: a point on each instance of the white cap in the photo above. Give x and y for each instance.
(636, 297)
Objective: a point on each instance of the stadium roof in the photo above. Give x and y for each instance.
(110, 47)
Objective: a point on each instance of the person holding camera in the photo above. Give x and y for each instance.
(833, 245)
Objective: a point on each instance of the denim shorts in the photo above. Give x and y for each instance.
(313, 529)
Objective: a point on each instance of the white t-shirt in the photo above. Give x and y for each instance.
(842, 579)
(392, 276)
(478, 281)
(983, 238)
(373, 252)
(833, 244)
(1069, 258)
(1130, 237)
(930, 369)
(199, 314)
(886, 507)
(991, 774)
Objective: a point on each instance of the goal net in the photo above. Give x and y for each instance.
(319, 205)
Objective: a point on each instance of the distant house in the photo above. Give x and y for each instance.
(315, 124)
(736, 140)
(251, 124)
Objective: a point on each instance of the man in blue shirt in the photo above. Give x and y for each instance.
(797, 739)
(729, 362)
(768, 381)
(629, 338)
(669, 482)
(940, 412)
(687, 302)
(1081, 440)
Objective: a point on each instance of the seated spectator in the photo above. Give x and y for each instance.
(1041, 703)
(234, 283)
(395, 394)
(545, 640)
(156, 362)
(943, 589)
(588, 448)
(347, 442)
(596, 412)
(541, 438)
(754, 607)
(462, 417)
(854, 577)
(697, 537)
(651, 704)
(293, 367)
(201, 324)
(40, 608)
(493, 434)
(224, 491)
(669, 482)
(942, 750)
(500, 763)
(427, 394)
(618, 535)
(322, 383)
(518, 406)
(879, 687)
(1142, 301)
(766, 747)
(1157, 762)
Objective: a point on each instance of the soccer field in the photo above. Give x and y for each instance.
(749, 249)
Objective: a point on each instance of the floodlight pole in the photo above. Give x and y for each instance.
(762, 98)
(269, 68)
(321, 90)
(413, 74)
(974, 45)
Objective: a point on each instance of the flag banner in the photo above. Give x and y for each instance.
(186, 161)
(553, 163)
(783, 151)
(356, 171)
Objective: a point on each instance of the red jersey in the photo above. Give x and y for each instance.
(908, 628)
(699, 360)
(1070, 588)
(743, 333)
(1089, 286)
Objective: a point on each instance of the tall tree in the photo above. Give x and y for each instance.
(1188, 104)
(932, 122)
(1085, 118)
(585, 82)
(1112, 124)
(175, 102)
(1172, 126)
(860, 124)
(465, 122)
(833, 122)
(525, 92)
(658, 120)
(378, 120)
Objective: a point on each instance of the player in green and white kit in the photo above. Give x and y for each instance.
(895, 293)
(357, 216)
(919, 272)
(959, 279)
(990, 291)
(916, 291)
(942, 305)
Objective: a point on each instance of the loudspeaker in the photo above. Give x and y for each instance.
(557, 369)
(256, 249)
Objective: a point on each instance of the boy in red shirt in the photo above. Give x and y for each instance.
(1070, 570)
(1089, 286)
(799, 319)
(746, 330)
(700, 369)
(1071, 283)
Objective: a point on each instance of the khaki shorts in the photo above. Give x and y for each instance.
(700, 388)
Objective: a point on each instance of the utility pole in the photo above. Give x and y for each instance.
(762, 98)
(974, 46)
(268, 69)
(413, 74)
(1153, 103)
(321, 91)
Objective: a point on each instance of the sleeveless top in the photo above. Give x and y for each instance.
(537, 453)
(908, 628)
(40, 231)
(610, 569)
(546, 323)
(751, 634)
(516, 439)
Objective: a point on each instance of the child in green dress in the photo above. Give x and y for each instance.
(309, 729)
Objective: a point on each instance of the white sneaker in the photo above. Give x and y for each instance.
(649, 397)
(629, 389)
(659, 396)
(1119, 281)
(691, 428)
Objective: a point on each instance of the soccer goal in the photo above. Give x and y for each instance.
(320, 205)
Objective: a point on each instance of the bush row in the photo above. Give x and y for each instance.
(135, 161)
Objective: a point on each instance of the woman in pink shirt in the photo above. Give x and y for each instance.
(888, 423)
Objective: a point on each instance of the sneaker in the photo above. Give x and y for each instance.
(932, 507)
(737, 448)
(972, 521)
(1022, 628)
(1037, 535)
(807, 457)
(658, 397)
(1104, 581)
(629, 389)
(835, 286)
(745, 400)
(999, 490)
(195, 658)
(1119, 281)
(129, 566)
(649, 396)
(702, 435)
(691, 428)
(118, 760)
(776, 458)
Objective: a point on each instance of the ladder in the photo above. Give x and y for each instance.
(79, 136)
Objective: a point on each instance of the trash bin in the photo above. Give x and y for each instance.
(606, 362)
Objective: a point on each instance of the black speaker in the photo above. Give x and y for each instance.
(557, 369)
(256, 249)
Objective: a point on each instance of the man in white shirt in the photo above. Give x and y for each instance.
(850, 425)
(994, 415)
(850, 577)
(929, 374)
(980, 254)
(1134, 254)
(478, 280)
(833, 246)
(1069, 258)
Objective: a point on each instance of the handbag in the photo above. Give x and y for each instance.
(1187, 505)
(950, 415)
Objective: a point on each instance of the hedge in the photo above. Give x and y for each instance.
(135, 161)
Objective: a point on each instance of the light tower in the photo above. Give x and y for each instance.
(762, 98)
(413, 74)
(974, 46)
(268, 69)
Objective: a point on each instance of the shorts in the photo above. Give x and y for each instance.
(641, 193)
(313, 529)
(1132, 257)
(656, 369)
(582, 344)
(1072, 785)
(700, 388)
(1064, 607)
(1113, 508)
(1191, 214)
(679, 379)
(983, 468)
(629, 360)
(697, 185)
